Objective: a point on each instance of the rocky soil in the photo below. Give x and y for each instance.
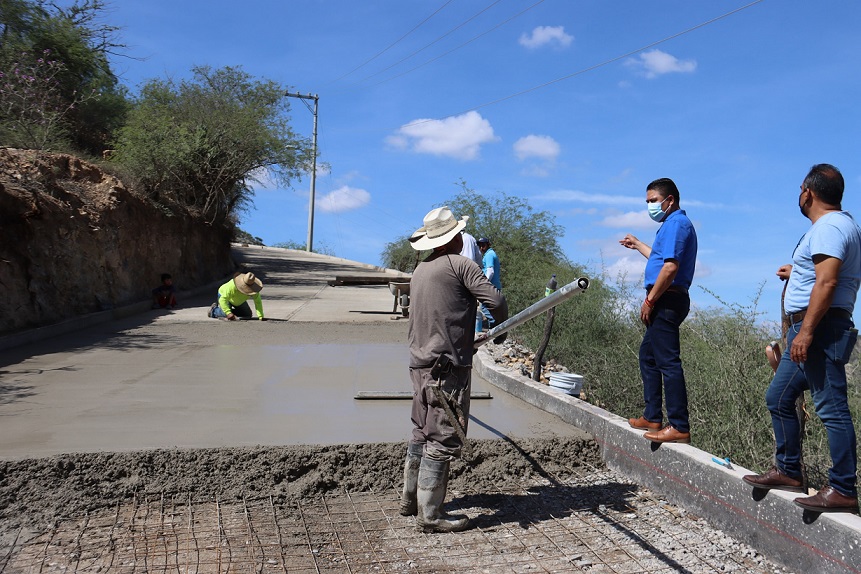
(519, 358)
(75, 239)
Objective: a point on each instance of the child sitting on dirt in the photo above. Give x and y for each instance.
(164, 295)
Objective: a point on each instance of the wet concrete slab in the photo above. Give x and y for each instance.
(164, 379)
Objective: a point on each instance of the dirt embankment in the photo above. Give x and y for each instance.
(76, 240)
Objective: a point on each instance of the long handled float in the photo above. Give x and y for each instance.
(563, 293)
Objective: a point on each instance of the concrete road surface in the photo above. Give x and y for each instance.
(164, 379)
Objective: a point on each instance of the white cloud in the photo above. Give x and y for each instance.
(629, 269)
(543, 35)
(543, 147)
(578, 211)
(352, 175)
(629, 220)
(534, 171)
(656, 63)
(592, 198)
(460, 137)
(344, 198)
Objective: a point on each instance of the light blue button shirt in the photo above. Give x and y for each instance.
(835, 234)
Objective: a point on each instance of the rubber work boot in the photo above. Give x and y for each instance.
(409, 506)
(433, 479)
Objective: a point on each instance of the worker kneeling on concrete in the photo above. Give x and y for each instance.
(445, 290)
(233, 298)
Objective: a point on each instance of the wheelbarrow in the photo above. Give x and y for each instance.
(401, 292)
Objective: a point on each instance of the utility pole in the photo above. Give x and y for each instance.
(316, 99)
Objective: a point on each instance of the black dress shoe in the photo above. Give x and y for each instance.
(828, 500)
(774, 479)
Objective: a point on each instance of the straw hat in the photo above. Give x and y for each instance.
(440, 227)
(248, 283)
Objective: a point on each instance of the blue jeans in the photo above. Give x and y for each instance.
(242, 311)
(661, 362)
(824, 374)
(482, 315)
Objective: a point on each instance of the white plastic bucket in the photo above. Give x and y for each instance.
(568, 382)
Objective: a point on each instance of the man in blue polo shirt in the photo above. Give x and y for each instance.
(823, 284)
(669, 272)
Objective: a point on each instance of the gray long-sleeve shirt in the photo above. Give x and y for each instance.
(443, 293)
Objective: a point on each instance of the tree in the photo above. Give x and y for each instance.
(203, 141)
(57, 87)
(525, 240)
(33, 113)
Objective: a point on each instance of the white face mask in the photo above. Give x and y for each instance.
(655, 211)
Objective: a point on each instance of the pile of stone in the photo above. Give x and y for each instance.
(517, 357)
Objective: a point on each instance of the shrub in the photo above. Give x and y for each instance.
(598, 335)
(33, 112)
(202, 142)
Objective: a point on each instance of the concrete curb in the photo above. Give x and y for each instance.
(688, 477)
(80, 322)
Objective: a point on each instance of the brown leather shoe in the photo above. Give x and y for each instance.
(828, 500)
(643, 424)
(774, 479)
(668, 434)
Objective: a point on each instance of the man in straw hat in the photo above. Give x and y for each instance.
(443, 293)
(233, 298)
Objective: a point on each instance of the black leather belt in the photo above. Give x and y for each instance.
(832, 313)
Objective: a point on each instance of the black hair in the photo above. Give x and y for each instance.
(826, 182)
(165, 277)
(666, 187)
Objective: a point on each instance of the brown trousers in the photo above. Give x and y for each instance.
(431, 427)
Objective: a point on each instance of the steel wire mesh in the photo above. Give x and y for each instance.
(590, 521)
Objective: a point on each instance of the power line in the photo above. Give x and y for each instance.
(392, 45)
(594, 67)
(384, 212)
(426, 46)
(457, 47)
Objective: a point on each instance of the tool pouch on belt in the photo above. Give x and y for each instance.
(446, 379)
(441, 366)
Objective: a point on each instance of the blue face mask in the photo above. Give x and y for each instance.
(655, 211)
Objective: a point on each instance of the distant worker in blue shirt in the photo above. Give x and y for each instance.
(491, 269)
(820, 297)
(669, 272)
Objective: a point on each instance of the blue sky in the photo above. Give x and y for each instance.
(572, 105)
